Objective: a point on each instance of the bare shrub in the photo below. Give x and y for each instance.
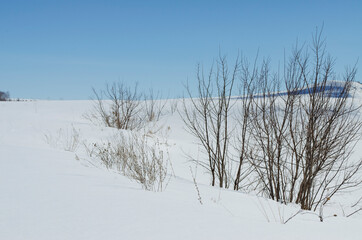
(71, 140)
(355, 208)
(303, 139)
(174, 105)
(243, 118)
(148, 165)
(276, 211)
(66, 139)
(110, 154)
(269, 129)
(207, 118)
(137, 158)
(154, 106)
(126, 108)
(295, 131)
(122, 112)
(196, 186)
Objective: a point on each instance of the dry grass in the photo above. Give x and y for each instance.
(138, 157)
(66, 139)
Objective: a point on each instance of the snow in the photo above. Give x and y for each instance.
(49, 193)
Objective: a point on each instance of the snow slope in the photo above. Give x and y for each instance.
(49, 193)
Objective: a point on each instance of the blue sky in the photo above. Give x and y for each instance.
(61, 49)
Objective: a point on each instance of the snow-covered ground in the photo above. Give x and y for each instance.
(49, 193)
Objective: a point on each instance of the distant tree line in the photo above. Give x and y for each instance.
(4, 96)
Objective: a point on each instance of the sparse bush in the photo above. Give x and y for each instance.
(153, 106)
(174, 105)
(147, 165)
(303, 139)
(209, 118)
(137, 158)
(297, 143)
(126, 108)
(122, 110)
(354, 208)
(243, 143)
(196, 186)
(66, 139)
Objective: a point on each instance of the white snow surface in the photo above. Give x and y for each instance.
(49, 193)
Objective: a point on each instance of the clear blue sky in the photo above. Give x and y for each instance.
(61, 49)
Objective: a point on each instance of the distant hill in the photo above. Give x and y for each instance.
(334, 88)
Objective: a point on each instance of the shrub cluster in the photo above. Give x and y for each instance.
(293, 146)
